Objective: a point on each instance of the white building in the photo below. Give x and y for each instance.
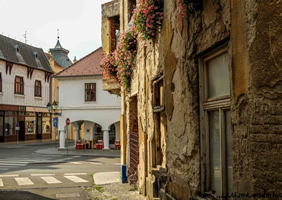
(24, 91)
(83, 101)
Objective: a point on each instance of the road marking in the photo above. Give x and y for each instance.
(95, 163)
(50, 180)
(12, 164)
(24, 181)
(1, 182)
(11, 175)
(75, 174)
(15, 162)
(42, 174)
(76, 179)
(69, 195)
(76, 163)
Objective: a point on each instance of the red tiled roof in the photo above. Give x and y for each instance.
(88, 65)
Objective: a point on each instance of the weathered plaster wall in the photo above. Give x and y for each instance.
(257, 114)
(252, 30)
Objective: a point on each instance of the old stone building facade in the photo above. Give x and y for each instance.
(205, 101)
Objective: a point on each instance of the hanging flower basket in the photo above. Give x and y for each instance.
(148, 17)
(125, 55)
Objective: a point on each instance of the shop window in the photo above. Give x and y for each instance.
(46, 125)
(158, 146)
(0, 82)
(30, 123)
(216, 122)
(10, 123)
(37, 88)
(19, 85)
(90, 91)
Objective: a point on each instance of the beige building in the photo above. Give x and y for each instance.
(203, 115)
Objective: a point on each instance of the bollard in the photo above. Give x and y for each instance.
(123, 173)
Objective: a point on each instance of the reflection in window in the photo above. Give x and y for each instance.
(10, 123)
(30, 126)
(46, 125)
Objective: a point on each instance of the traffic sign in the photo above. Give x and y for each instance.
(68, 121)
(55, 119)
(17, 125)
(55, 124)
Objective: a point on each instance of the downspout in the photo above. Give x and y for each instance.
(50, 100)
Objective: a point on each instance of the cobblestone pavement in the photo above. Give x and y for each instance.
(114, 191)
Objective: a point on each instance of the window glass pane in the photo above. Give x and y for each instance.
(215, 155)
(46, 125)
(30, 125)
(218, 76)
(10, 123)
(229, 152)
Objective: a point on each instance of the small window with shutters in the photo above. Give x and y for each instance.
(90, 91)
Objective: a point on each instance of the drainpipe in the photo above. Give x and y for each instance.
(50, 100)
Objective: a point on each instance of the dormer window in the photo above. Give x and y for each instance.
(17, 48)
(35, 54)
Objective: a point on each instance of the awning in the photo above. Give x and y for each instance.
(36, 109)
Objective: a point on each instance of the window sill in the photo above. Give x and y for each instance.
(89, 102)
(20, 95)
(38, 98)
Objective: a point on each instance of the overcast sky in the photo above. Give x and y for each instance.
(79, 22)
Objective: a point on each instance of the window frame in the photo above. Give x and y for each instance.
(220, 104)
(37, 87)
(21, 84)
(90, 90)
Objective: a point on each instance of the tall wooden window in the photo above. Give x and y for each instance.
(37, 88)
(158, 147)
(216, 140)
(115, 32)
(90, 91)
(0, 82)
(19, 85)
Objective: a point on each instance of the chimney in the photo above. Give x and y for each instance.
(74, 60)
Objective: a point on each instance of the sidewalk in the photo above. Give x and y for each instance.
(108, 186)
(80, 152)
(43, 141)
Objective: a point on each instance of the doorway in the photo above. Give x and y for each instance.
(39, 126)
(22, 131)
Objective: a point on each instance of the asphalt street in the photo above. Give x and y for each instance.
(25, 174)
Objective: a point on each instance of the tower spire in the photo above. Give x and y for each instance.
(58, 34)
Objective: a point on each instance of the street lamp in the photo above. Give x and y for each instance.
(54, 107)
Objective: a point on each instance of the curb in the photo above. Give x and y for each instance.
(71, 154)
